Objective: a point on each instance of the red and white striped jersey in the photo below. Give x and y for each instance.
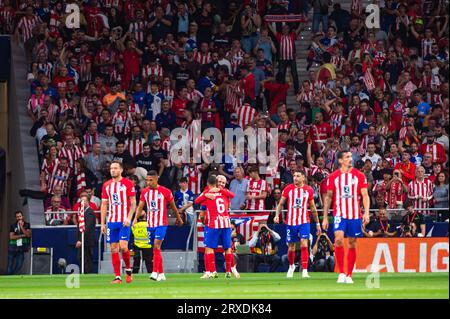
(305, 96)
(72, 153)
(122, 123)
(236, 58)
(346, 188)
(90, 140)
(46, 68)
(47, 168)
(148, 71)
(193, 138)
(194, 176)
(35, 103)
(59, 177)
(118, 195)
(26, 25)
(232, 100)
(57, 214)
(287, 45)
(7, 16)
(194, 95)
(246, 114)
(316, 169)
(256, 188)
(137, 30)
(135, 147)
(424, 189)
(298, 199)
(336, 120)
(216, 209)
(156, 200)
(202, 58)
(337, 61)
(85, 72)
(169, 94)
(285, 126)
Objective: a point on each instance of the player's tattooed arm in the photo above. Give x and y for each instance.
(326, 207)
(132, 211)
(312, 206)
(278, 210)
(103, 211)
(366, 204)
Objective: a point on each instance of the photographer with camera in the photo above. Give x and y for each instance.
(413, 224)
(323, 252)
(264, 243)
(380, 227)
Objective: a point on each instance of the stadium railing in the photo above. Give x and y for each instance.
(394, 214)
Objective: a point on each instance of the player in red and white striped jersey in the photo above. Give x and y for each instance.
(345, 187)
(257, 190)
(217, 202)
(118, 197)
(156, 197)
(298, 196)
(420, 190)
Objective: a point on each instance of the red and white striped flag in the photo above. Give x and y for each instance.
(246, 225)
(81, 224)
(368, 80)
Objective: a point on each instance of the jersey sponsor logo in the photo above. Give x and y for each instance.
(346, 192)
(116, 200)
(298, 203)
(153, 206)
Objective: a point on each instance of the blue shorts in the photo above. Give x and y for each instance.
(156, 233)
(350, 227)
(295, 233)
(218, 236)
(116, 232)
(205, 231)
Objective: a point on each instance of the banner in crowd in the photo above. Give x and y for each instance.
(285, 18)
(246, 225)
(401, 255)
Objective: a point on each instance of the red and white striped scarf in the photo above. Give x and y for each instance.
(81, 182)
(81, 222)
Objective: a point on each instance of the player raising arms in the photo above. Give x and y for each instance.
(218, 221)
(345, 187)
(157, 198)
(298, 196)
(118, 195)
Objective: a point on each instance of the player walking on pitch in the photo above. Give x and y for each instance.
(298, 196)
(216, 201)
(345, 187)
(157, 198)
(118, 196)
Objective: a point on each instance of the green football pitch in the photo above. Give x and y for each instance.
(250, 285)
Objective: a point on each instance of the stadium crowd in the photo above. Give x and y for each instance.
(114, 88)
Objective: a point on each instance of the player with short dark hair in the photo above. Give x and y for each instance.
(118, 197)
(157, 198)
(298, 196)
(217, 202)
(345, 187)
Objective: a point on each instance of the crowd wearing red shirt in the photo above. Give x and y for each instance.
(386, 86)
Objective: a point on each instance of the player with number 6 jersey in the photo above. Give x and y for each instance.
(298, 196)
(217, 201)
(156, 197)
(345, 188)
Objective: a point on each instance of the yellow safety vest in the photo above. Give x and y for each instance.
(140, 234)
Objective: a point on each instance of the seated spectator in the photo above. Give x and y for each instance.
(184, 199)
(413, 224)
(382, 227)
(440, 195)
(57, 191)
(265, 248)
(56, 214)
(323, 252)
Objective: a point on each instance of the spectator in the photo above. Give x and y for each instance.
(431, 146)
(440, 194)
(406, 168)
(320, 14)
(250, 24)
(239, 187)
(131, 169)
(382, 227)
(396, 190)
(92, 164)
(323, 252)
(272, 203)
(413, 224)
(184, 199)
(56, 215)
(371, 155)
(89, 234)
(264, 242)
(108, 142)
(19, 244)
(121, 154)
(65, 203)
(420, 191)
